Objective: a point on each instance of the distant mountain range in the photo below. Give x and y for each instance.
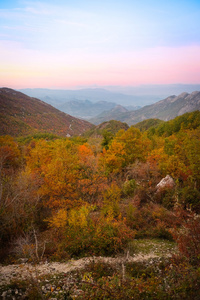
(86, 109)
(60, 97)
(99, 104)
(23, 115)
(166, 109)
(112, 114)
(140, 95)
(85, 103)
(151, 93)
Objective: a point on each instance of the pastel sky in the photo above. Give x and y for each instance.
(70, 43)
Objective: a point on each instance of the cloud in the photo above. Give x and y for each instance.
(54, 28)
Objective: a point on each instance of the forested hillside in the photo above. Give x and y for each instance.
(68, 198)
(22, 115)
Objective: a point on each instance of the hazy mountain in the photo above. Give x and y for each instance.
(59, 97)
(112, 114)
(22, 115)
(124, 95)
(86, 109)
(154, 92)
(137, 95)
(166, 109)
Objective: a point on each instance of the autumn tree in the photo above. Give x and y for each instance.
(91, 182)
(57, 165)
(19, 198)
(127, 147)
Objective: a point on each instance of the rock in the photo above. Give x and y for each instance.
(48, 287)
(23, 260)
(79, 292)
(4, 294)
(167, 182)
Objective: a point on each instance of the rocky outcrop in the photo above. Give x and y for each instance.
(167, 182)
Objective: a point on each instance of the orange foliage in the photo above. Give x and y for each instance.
(127, 147)
(92, 181)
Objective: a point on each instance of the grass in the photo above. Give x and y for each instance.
(152, 246)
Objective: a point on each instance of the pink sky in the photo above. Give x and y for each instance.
(153, 66)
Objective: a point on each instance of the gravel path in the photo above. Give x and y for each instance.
(25, 270)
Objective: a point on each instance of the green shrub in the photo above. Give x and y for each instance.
(100, 269)
(190, 198)
(161, 231)
(104, 236)
(129, 187)
(139, 269)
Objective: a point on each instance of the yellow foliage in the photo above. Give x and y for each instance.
(79, 217)
(112, 194)
(111, 202)
(110, 215)
(59, 219)
(113, 158)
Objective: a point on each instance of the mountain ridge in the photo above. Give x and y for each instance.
(140, 95)
(165, 109)
(58, 97)
(86, 109)
(23, 115)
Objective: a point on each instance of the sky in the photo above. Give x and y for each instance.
(81, 43)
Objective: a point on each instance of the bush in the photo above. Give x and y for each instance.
(139, 269)
(103, 236)
(100, 269)
(174, 279)
(111, 198)
(129, 187)
(187, 236)
(160, 231)
(150, 220)
(111, 237)
(190, 198)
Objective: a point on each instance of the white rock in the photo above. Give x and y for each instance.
(167, 182)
